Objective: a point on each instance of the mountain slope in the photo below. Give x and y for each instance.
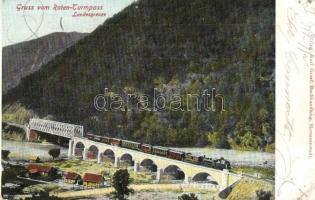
(22, 59)
(178, 47)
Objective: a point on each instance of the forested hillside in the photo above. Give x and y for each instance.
(22, 59)
(178, 47)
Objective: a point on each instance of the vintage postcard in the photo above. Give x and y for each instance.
(157, 99)
(295, 140)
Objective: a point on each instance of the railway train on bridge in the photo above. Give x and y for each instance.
(162, 151)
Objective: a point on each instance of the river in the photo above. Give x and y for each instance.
(27, 150)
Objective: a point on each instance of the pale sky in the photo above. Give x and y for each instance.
(19, 26)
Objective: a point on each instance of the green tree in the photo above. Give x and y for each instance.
(10, 173)
(250, 141)
(53, 174)
(214, 138)
(265, 129)
(263, 115)
(121, 181)
(190, 196)
(54, 152)
(5, 154)
(37, 159)
(151, 130)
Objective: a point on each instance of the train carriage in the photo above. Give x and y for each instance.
(161, 151)
(193, 158)
(97, 138)
(90, 136)
(174, 154)
(130, 145)
(105, 139)
(94, 137)
(146, 148)
(115, 142)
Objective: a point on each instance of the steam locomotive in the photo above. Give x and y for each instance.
(162, 151)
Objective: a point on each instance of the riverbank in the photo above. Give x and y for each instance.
(30, 150)
(13, 133)
(259, 172)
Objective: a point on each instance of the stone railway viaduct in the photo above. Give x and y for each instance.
(79, 146)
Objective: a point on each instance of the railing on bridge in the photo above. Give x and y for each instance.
(200, 185)
(56, 128)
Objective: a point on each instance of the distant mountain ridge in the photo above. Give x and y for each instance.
(22, 59)
(176, 46)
